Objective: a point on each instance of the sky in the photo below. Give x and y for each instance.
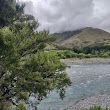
(67, 15)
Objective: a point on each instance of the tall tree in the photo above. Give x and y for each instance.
(25, 68)
(10, 11)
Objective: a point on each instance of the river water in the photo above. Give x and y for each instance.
(88, 80)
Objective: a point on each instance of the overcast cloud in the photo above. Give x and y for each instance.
(62, 15)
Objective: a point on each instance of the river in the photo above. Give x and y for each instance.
(88, 80)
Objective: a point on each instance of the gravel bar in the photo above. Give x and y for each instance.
(84, 104)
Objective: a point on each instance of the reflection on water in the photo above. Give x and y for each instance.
(87, 80)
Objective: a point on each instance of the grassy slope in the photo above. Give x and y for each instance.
(86, 37)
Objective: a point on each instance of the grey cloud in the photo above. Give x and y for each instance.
(61, 15)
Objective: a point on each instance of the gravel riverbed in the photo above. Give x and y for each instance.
(87, 61)
(84, 104)
(91, 85)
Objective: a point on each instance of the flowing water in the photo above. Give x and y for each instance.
(88, 80)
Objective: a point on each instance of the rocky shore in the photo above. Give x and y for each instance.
(84, 104)
(86, 61)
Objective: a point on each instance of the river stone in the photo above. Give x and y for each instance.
(84, 104)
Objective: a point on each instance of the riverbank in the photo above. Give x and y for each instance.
(84, 104)
(86, 61)
(89, 80)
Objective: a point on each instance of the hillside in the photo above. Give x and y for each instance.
(65, 35)
(82, 38)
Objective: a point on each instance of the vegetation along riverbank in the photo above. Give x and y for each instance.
(33, 63)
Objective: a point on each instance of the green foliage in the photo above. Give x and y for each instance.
(105, 55)
(81, 55)
(49, 47)
(10, 10)
(25, 68)
(5, 106)
(66, 54)
(98, 108)
(24, 95)
(88, 55)
(95, 50)
(62, 54)
(21, 106)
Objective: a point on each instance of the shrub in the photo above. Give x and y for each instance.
(5, 106)
(88, 55)
(105, 55)
(21, 106)
(81, 55)
(98, 108)
(68, 54)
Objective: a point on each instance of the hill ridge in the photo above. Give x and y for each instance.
(82, 38)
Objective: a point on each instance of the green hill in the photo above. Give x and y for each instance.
(82, 38)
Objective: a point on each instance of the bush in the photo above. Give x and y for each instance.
(66, 54)
(98, 108)
(21, 106)
(81, 55)
(61, 55)
(74, 55)
(88, 55)
(6, 106)
(105, 55)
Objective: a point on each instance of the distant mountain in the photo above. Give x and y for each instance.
(65, 35)
(82, 38)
